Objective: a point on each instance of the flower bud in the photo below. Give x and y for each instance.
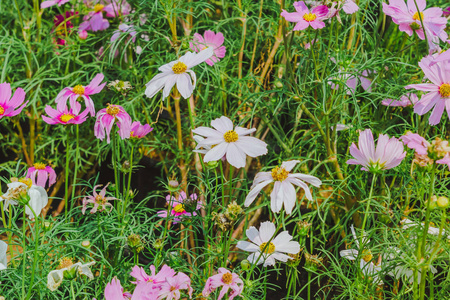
(173, 186)
(83, 35)
(233, 211)
(245, 265)
(158, 244)
(86, 244)
(212, 164)
(135, 242)
(303, 228)
(442, 202)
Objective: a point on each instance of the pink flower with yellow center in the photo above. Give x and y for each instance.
(106, 118)
(226, 280)
(209, 39)
(305, 18)
(42, 172)
(99, 201)
(179, 207)
(73, 94)
(64, 116)
(156, 279)
(9, 107)
(138, 130)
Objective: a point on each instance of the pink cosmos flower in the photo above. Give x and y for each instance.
(99, 201)
(50, 3)
(116, 8)
(416, 142)
(124, 28)
(8, 105)
(106, 118)
(94, 20)
(447, 11)
(348, 6)
(445, 161)
(156, 278)
(43, 173)
(388, 154)
(439, 90)
(209, 39)
(173, 285)
(64, 116)
(352, 81)
(304, 18)
(405, 100)
(139, 131)
(114, 291)
(178, 206)
(83, 34)
(74, 93)
(227, 280)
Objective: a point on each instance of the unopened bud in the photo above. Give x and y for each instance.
(212, 164)
(442, 202)
(86, 244)
(245, 265)
(173, 185)
(135, 242)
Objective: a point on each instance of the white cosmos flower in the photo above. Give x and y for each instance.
(230, 141)
(176, 72)
(283, 189)
(267, 249)
(3, 259)
(38, 197)
(55, 277)
(366, 264)
(407, 223)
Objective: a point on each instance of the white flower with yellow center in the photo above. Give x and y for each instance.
(176, 72)
(283, 190)
(68, 270)
(265, 247)
(229, 141)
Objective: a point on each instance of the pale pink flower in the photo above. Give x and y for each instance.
(8, 105)
(124, 28)
(171, 288)
(155, 278)
(405, 100)
(416, 142)
(445, 161)
(143, 292)
(114, 291)
(50, 3)
(309, 44)
(178, 208)
(117, 8)
(100, 201)
(231, 141)
(94, 20)
(439, 90)
(304, 18)
(209, 39)
(283, 192)
(73, 93)
(64, 116)
(227, 281)
(106, 118)
(139, 131)
(388, 154)
(42, 172)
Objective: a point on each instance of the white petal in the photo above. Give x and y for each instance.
(280, 256)
(235, 156)
(266, 231)
(276, 199)
(253, 147)
(255, 191)
(308, 178)
(222, 124)
(216, 153)
(194, 78)
(246, 246)
(252, 258)
(351, 254)
(184, 85)
(54, 279)
(197, 58)
(244, 131)
(290, 196)
(156, 84)
(253, 235)
(168, 85)
(3, 249)
(302, 185)
(290, 164)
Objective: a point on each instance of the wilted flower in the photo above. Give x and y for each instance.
(265, 247)
(99, 201)
(50, 3)
(176, 72)
(178, 207)
(426, 153)
(209, 39)
(135, 242)
(64, 115)
(388, 154)
(106, 118)
(8, 105)
(283, 190)
(114, 291)
(233, 211)
(68, 270)
(120, 86)
(304, 18)
(227, 281)
(405, 100)
(230, 142)
(42, 172)
(312, 261)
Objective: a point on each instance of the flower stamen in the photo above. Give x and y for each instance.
(367, 255)
(227, 278)
(444, 90)
(39, 166)
(230, 136)
(98, 7)
(65, 263)
(112, 110)
(309, 17)
(417, 17)
(279, 173)
(66, 117)
(78, 89)
(269, 249)
(179, 208)
(179, 68)
(2, 110)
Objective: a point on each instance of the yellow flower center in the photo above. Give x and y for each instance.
(179, 68)
(179, 208)
(2, 110)
(26, 181)
(112, 110)
(367, 255)
(66, 117)
(78, 89)
(227, 278)
(444, 90)
(279, 173)
(100, 199)
(309, 17)
(39, 166)
(230, 136)
(65, 263)
(269, 249)
(98, 7)
(417, 17)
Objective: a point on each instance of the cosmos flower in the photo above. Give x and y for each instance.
(171, 288)
(63, 26)
(304, 18)
(156, 279)
(94, 20)
(9, 107)
(106, 118)
(114, 291)
(138, 130)
(405, 100)
(209, 39)
(42, 172)
(178, 207)
(416, 142)
(283, 190)
(438, 89)
(124, 28)
(388, 154)
(79, 91)
(176, 72)
(3, 257)
(227, 281)
(265, 247)
(231, 142)
(50, 3)
(64, 116)
(68, 270)
(351, 82)
(116, 8)
(99, 201)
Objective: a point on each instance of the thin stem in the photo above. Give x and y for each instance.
(24, 252)
(77, 154)
(127, 195)
(66, 183)
(35, 258)
(114, 163)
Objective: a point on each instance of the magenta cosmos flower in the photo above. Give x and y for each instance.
(73, 93)
(227, 281)
(171, 288)
(42, 172)
(405, 100)
(50, 3)
(8, 105)
(438, 89)
(64, 116)
(106, 118)
(63, 26)
(388, 154)
(114, 291)
(304, 18)
(138, 130)
(209, 39)
(155, 279)
(178, 207)
(100, 201)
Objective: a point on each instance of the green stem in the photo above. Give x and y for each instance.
(114, 163)
(35, 258)
(127, 195)
(72, 292)
(24, 255)
(77, 154)
(66, 182)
